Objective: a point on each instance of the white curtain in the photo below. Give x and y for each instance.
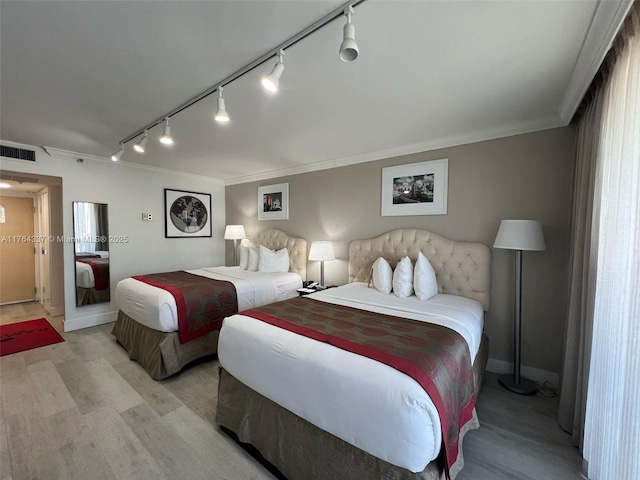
(84, 226)
(612, 424)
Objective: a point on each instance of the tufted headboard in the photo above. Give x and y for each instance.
(461, 268)
(276, 240)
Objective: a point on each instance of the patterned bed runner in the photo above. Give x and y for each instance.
(202, 303)
(436, 357)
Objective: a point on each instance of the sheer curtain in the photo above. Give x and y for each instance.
(610, 295)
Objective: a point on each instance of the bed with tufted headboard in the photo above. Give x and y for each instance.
(316, 407)
(149, 326)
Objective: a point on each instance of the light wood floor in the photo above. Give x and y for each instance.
(20, 312)
(82, 410)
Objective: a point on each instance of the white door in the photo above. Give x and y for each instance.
(44, 284)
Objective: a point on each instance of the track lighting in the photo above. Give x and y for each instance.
(349, 47)
(139, 147)
(116, 156)
(272, 81)
(166, 133)
(221, 113)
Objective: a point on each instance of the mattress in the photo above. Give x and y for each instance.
(84, 275)
(366, 403)
(156, 308)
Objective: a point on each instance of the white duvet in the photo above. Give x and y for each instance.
(156, 307)
(366, 403)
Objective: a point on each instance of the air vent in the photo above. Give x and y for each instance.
(19, 153)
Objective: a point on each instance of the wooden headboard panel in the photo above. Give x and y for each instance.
(462, 268)
(276, 240)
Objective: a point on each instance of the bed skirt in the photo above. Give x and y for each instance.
(160, 353)
(91, 296)
(302, 450)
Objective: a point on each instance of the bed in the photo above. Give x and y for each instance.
(92, 278)
(147, 323)
(291, 397)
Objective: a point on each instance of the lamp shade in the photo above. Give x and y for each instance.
(234, 232)
(321, 251)
(520, 235)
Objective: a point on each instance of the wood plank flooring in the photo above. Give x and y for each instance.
(82, 410)
(19, 312)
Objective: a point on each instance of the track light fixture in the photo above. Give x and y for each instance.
(348, 53)
(116, 156)
(140, 146)
(166, 133)
(349, 47)
(272, 81)
(221, 113)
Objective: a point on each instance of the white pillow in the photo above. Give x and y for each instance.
(244, 257)
(403, 278)
(271, 261)
(381, 276)
(254, 259)
(424, 279)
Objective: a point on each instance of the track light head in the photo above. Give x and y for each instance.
(166, 133)
(140, 146)
(116, 156)
(349, 48)
(221, 112)
(272, 81)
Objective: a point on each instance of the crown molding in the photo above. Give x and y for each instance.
(136, 166)
(605, 24)
(451, 141)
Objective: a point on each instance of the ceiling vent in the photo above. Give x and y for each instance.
(19, 153)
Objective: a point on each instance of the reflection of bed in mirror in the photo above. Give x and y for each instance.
(91, 238)
(149, 324)
(333, 385)
(92, 278)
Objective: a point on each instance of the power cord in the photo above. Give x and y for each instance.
(547, 389)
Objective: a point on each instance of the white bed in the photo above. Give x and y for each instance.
(156, 307)
(147, 324)
(369, 406)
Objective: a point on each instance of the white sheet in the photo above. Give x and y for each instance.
(366, 403)
(156, 308)
(84, 275)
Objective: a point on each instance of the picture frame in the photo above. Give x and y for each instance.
(273, 202)
(186, 214)
(415, 189)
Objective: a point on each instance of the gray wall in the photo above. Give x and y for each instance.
(520, 177)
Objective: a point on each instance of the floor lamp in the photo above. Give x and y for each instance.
(321, 251)
(519, 235)
(235, 233)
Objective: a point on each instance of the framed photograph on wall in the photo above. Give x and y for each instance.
(186, 214)
(273, 202)
(415, 189)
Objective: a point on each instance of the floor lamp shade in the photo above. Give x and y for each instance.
(519, 235)
(321, 251)
(235, 233)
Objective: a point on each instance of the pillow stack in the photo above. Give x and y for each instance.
(406, 279)
(263, 259)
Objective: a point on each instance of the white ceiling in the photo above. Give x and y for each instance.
(82, 75)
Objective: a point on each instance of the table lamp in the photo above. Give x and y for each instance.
(235, 233)
(321, 251)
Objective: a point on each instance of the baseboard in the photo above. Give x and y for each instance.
(56, 311)
(90, 321)
(535, 374)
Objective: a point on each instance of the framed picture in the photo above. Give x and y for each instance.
(186, 214)
(415, 189)
(273, 202)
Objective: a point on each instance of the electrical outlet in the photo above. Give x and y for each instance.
(147, 217)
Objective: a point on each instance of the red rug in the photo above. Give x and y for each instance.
(21, 336)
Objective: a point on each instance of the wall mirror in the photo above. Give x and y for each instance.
(91, 238)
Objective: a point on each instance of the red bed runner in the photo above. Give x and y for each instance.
(100, 268)
(436, 357)
(202, 303)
